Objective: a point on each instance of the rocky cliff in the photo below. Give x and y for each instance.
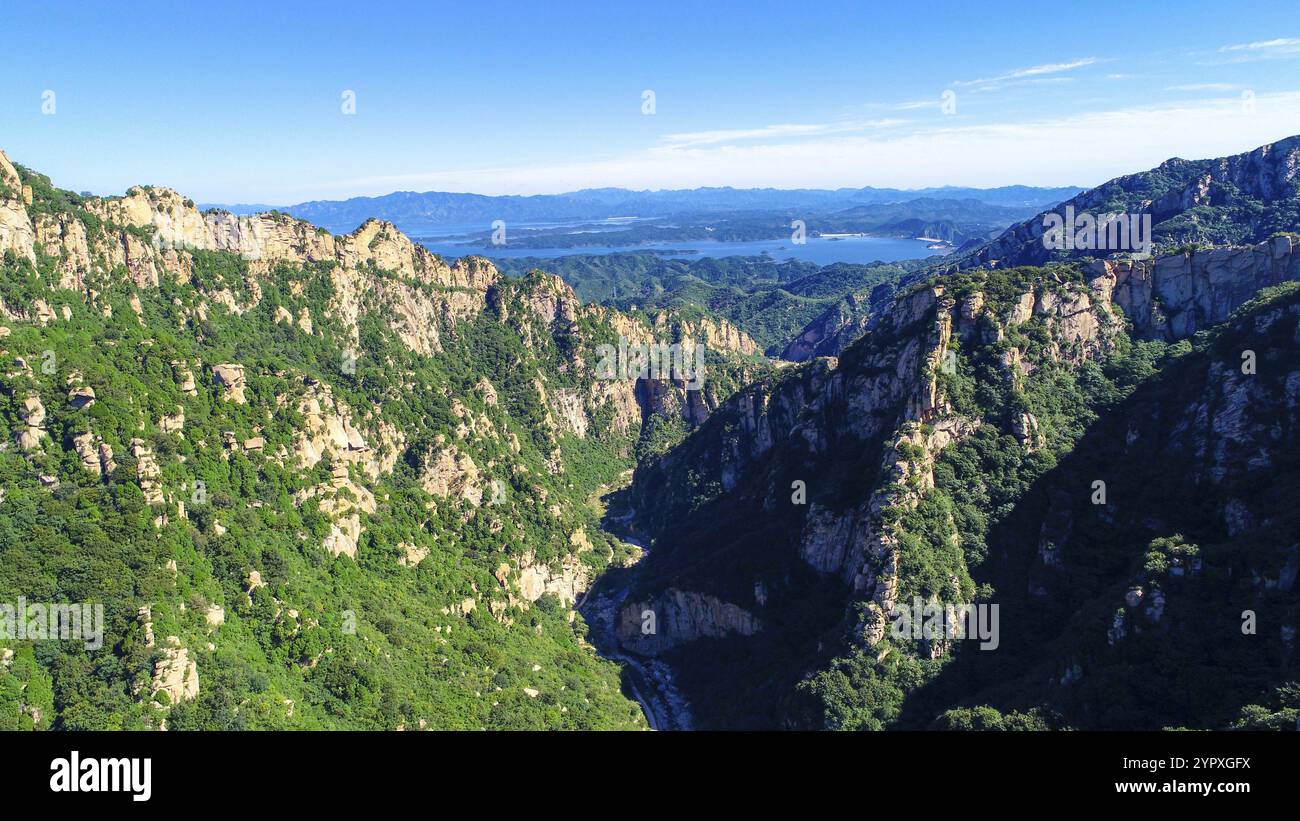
(832, 332)
(859, 480)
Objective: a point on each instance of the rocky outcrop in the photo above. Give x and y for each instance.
(412, 554)
(343, 501)
(153, 233)
(1173, 297)
(156, 235)
(173, 422)
(715, 334)
(832, 332)
(329, 429)
(448, 473)
(678, 616)
(214, 616)
(80, 397)
(568, 406)
(230, 378)
(884, 396)
(32, 412)
(184, 378)
(176, 674)
(148, 472)
(17, 233)
(566, 580)
(96, 455)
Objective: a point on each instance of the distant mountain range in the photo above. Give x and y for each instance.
(419, 212)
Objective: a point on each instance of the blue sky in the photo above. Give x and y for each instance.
(236, 102)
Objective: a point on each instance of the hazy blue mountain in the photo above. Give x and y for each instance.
(415, 212)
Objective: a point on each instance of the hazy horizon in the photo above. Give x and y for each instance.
(791, 189)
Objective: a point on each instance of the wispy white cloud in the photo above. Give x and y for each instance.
(771, 132)
(1203, 87)
(915, 105)
(1022, 83)
(1083, 149)
(1025, 73)
(1279, 48)
(1289, 44)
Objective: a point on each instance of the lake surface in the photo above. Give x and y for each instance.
(818, 250)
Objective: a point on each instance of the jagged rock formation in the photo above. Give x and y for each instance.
(1231, 200)
(176, 674)
(841, 482)
(321, 429)
(230, 378)
(533, 579)
(680, 617)
(30, 435)
(1172, 297)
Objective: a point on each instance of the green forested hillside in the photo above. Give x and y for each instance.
(322, 483)
(771, 301)
(951, 456)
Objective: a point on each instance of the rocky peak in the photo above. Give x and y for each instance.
(1247, 191)
(16, 231)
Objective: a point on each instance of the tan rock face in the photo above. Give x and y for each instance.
(448, 473)
(714, 334)
(417, 312)
(343, 501)
(32, 412)
(148, 472)
(677, 617)
(106, 463)
(175, 673)
(621, 394)
(412, 554)
(532, 579)
(96, 456)
(69, 234)
(1172, 297)
(329, 429)
(173, 422)
(184, 378)
(17, 233)
(568, 407)
(345, 533)
(269, 238)
(145, 614)
(215, 616)
(230, 378)
(81, 397)
(28, 439)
